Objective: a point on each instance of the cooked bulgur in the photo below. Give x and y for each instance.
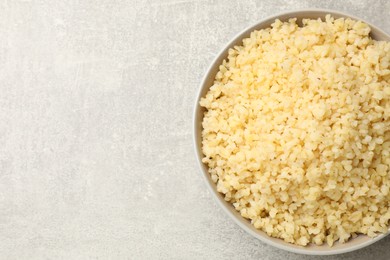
(296, 132)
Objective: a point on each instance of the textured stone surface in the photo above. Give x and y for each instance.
(96, 156)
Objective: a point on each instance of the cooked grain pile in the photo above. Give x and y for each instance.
(296, 132)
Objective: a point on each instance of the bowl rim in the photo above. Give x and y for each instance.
(198, 153)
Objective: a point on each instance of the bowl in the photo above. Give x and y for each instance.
(338, 248)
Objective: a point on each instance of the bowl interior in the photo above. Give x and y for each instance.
(353, 244)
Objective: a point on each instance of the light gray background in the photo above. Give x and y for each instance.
(96, 156)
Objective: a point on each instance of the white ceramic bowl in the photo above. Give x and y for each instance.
(338, 248)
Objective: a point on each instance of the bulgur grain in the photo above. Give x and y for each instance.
(296, 132)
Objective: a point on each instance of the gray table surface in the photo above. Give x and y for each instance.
(96, 156)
